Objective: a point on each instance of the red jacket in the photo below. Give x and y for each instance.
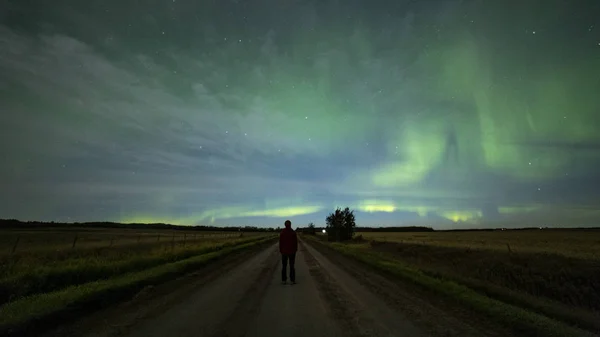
(288, 241)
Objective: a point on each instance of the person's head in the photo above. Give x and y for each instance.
(288, 224)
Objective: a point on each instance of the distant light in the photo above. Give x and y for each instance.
(324, 231)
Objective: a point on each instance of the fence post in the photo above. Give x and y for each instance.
(184, 237)
(14, 248)
(139, 238)
(508, 246)
(158, 238)
(75, 240)
(112, 240)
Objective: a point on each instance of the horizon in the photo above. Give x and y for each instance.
(470, 227)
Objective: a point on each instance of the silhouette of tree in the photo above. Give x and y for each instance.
(311, 229)
(340, 225)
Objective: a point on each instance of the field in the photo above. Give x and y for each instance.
(44, 240)
(573, 243)
(39, 268)
(549, 272)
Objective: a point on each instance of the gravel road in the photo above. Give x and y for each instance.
(247, 299)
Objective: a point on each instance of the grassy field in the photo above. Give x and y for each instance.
(40, 239)
(52, 269)
(545, 272)
(572, 243)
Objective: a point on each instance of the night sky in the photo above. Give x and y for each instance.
(454, 114)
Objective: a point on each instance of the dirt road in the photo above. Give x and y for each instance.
(248, 299)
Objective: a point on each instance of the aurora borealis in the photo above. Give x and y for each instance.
(450, 113)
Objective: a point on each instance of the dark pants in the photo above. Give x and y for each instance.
(284, 262)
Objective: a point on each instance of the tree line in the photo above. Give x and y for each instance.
(13, 223)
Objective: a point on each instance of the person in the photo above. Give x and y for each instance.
(288, 246)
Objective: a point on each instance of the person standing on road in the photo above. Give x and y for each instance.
(288, 246)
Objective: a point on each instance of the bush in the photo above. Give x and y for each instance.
(311, 229)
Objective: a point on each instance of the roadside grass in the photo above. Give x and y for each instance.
(71, 240)
(35, 274)
(33, 250)
(561, 287)
(523, 321)
(39, 311)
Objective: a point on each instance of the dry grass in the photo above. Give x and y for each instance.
(45, 263)
(571, 243)
(553, 272)
(521, 320)
(35, 313)
(63, 239)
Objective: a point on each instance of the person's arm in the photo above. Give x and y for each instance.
(280, 239)
(295, 242)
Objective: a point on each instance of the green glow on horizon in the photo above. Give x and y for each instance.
(461, 216)
(370, 206)
(223, 213)
(517, 209)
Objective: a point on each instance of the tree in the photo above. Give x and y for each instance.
(340, 225)
(349, 223)
(311, 229)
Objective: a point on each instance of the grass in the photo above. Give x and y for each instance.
(27, 274)
(584, 244)
(538, 293)
(39, 310)
(27, 241)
